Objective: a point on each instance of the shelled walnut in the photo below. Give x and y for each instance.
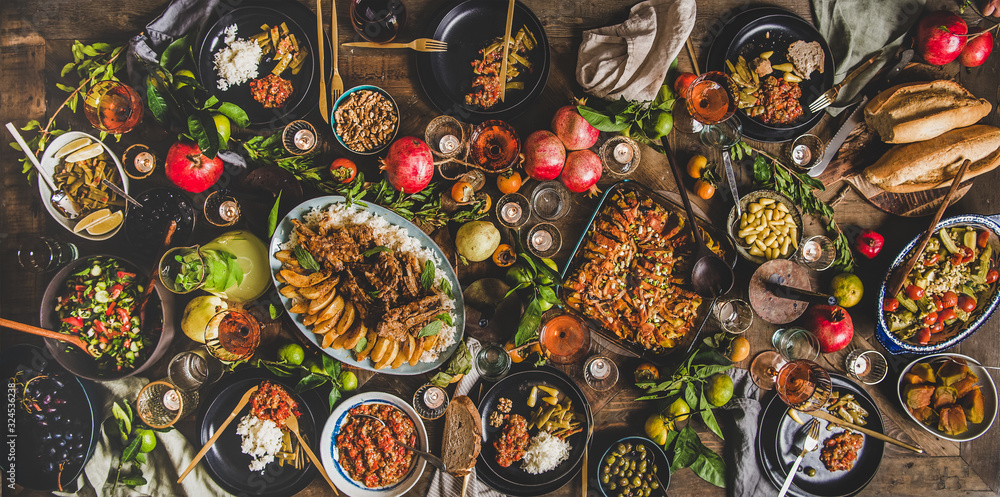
(366, 120)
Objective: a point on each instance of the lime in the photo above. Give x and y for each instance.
(657, 428)
(665, 94)
(222, 126)
(291, 353)
(847, 288)
(679, 410)
(719, 389)
(314, 366)
(348, 381)
(659, 124)
(518, 273)
(148, 438)
(182, 83)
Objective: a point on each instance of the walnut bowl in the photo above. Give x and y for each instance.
(365, 119)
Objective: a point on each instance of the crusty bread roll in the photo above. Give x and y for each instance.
(933, 163)
(916, 112)
(462, 436)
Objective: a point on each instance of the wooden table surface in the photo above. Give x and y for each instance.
(34, 44)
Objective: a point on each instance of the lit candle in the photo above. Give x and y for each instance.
(811, 251)
(305, 139)
(229, 210)
(511, 212)
(541, 240)
(623, 153)
(434, 397)
(144, 162)
(861, 365)
(171, 400)
(448, 144)
(599, 369)
(801, 155)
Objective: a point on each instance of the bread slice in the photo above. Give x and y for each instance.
(807, 57)
(915, 112)
(463, 436)
(930, 164)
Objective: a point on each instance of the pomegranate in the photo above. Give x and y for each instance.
(189, 169)
(978, 48)
(940, 37)
(583, 169)
(831, 324)
(409, 166)
(574, 131)
(544, 155)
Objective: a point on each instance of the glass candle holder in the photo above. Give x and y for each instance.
(600, 373)
(430, 401)
(544, 240)
(867, 366)
(550, 200)
(161, 404)
(620, 156)
(299, 137)
(513, 210)
(817, 253)
(221, 208)
(232, 335)
(805, 152)
(446, 136)
(138, 161)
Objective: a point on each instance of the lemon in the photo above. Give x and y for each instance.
(222, 126)
(88, 152)
(71, 147)
(106, 225)
(719, 389)
(657, 428)
(848, 289)
(679, 410)
(91, 219)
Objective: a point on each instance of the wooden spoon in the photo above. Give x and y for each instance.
(215, 436)
(55, 335)
(898, 277)
(293, 425)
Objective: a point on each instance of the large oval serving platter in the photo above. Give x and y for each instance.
(285, 228)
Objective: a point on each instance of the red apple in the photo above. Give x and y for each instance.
(939, 37)
(831, 324)
(977, 49)
(189, 169)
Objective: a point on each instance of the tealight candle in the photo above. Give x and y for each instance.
(304, 139)
(448, 144)
(623, 153)
(801, 155)
(229, 210)
(434, 397)
(171, 400)
(144, 162)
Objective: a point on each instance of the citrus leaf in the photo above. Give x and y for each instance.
(157, 104)
(527, 329)
(309, 382)
(710, 467)
(272, 217)
(132, 449)
(235, 113)
(687, 449)
(331, 366)
(334, 397)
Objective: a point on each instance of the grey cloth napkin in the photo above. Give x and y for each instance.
(855, 29)
(631, 59)
(443, 484)
(739, 425)
(163, 464)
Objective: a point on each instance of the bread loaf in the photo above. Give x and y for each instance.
(463, 436)
(933, 163)
(916, 112)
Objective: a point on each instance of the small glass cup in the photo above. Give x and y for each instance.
(299, 137)
(817, 253)
(601, 373)
(805, 152)
(565, 339)
(513, 210)
(193, 369)
(494, 146)
(493, 362)
(867, 366)
(446, 136)
(796, 343)
(42, 254)
(378, 21)
(734, 315)
(232, 335)
(138, 161)
(430, 401)
(544, 240)
(550, 200)
(620, 156)
(221, 208)
(161, 403)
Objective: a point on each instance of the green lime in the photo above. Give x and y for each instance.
(659, 124)
(348, 381)
(314, 366)
(291, 353)
(222, 126)
(657, 428)
(848, 289)
(148, 438)
(519, 273)
(664, 95)
(180, 83)
(719, 389)
(679, 410)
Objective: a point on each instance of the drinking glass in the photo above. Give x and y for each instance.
(212, 267)
(494, 146)
(378, 20)
(601, 373)
(221, 208)
(565, 339)
(550, 200)
(193, 369)
(493, 362)
(299, 137)
(805, 152)
(113, 106)
(803, 384)
(445, 135)
(161, 403)
(41, 254)
(867, 366)
(232, 335)
(734, 315)
(620, 156)
(712, 99)
(792, 344)
(513, 210)
(817, 253)
(544, 240)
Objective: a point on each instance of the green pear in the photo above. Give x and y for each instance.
(198, 312)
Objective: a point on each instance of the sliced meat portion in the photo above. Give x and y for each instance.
(397, 322)
(761, 66)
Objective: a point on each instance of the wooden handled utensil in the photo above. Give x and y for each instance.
(324, 106)
(506, 50)
(215, 436)
(899, 276)
(336, 83)
(293, 425)
(55, 335)
(821, 414)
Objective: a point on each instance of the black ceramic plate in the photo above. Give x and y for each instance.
(758, 30)
(517, 387)
(146, 227)
(467, 27)
(248, 18)
(774, 448)
(225, 461)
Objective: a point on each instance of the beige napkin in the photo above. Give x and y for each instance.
(631, 59)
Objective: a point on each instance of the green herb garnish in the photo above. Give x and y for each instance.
(427, 275)
(306, 259)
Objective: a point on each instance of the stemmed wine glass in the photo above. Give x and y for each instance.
(712, 102)
(800, 382)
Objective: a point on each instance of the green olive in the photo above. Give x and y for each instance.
(621, 448)
(646, 492)
(636, 482)
(623, 482)
(629, 473)
(810, 471)
(606, 478)
(655, 468)
(654, 485)
(628, 447)
(642, 467)
(605, 469)
(610, 459)
(632, 465)
(641, 449)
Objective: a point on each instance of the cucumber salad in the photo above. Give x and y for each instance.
(99, 304)
(952, 275)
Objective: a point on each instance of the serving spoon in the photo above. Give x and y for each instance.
(59, 199)
(431, 458)
(91, 350)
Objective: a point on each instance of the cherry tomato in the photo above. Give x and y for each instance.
(932, 259)
(992, 276)
(914, 292)
(966, 303)
(937, 304)
(696, 166)
(949, 299)
(462, 192)
(967, 254)
(924, 336)
(343, 170)
(890, 304)
(982, 239)
(704, 189)
(930, 318)
(509, 182)
(947, 315)
(937, 327)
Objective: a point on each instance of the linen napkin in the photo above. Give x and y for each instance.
(163, 464)
(739, 425)
(443, 484)
(631, 59)
(855, 29)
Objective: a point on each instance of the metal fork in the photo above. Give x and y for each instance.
(420, 45)
(830, 95)
(802, 444)
(336, 83)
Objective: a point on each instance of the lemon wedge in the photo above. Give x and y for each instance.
(88, 152)
(107, 224)
(91, 219)
(71, 147)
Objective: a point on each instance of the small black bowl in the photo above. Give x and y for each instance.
(77, 361)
